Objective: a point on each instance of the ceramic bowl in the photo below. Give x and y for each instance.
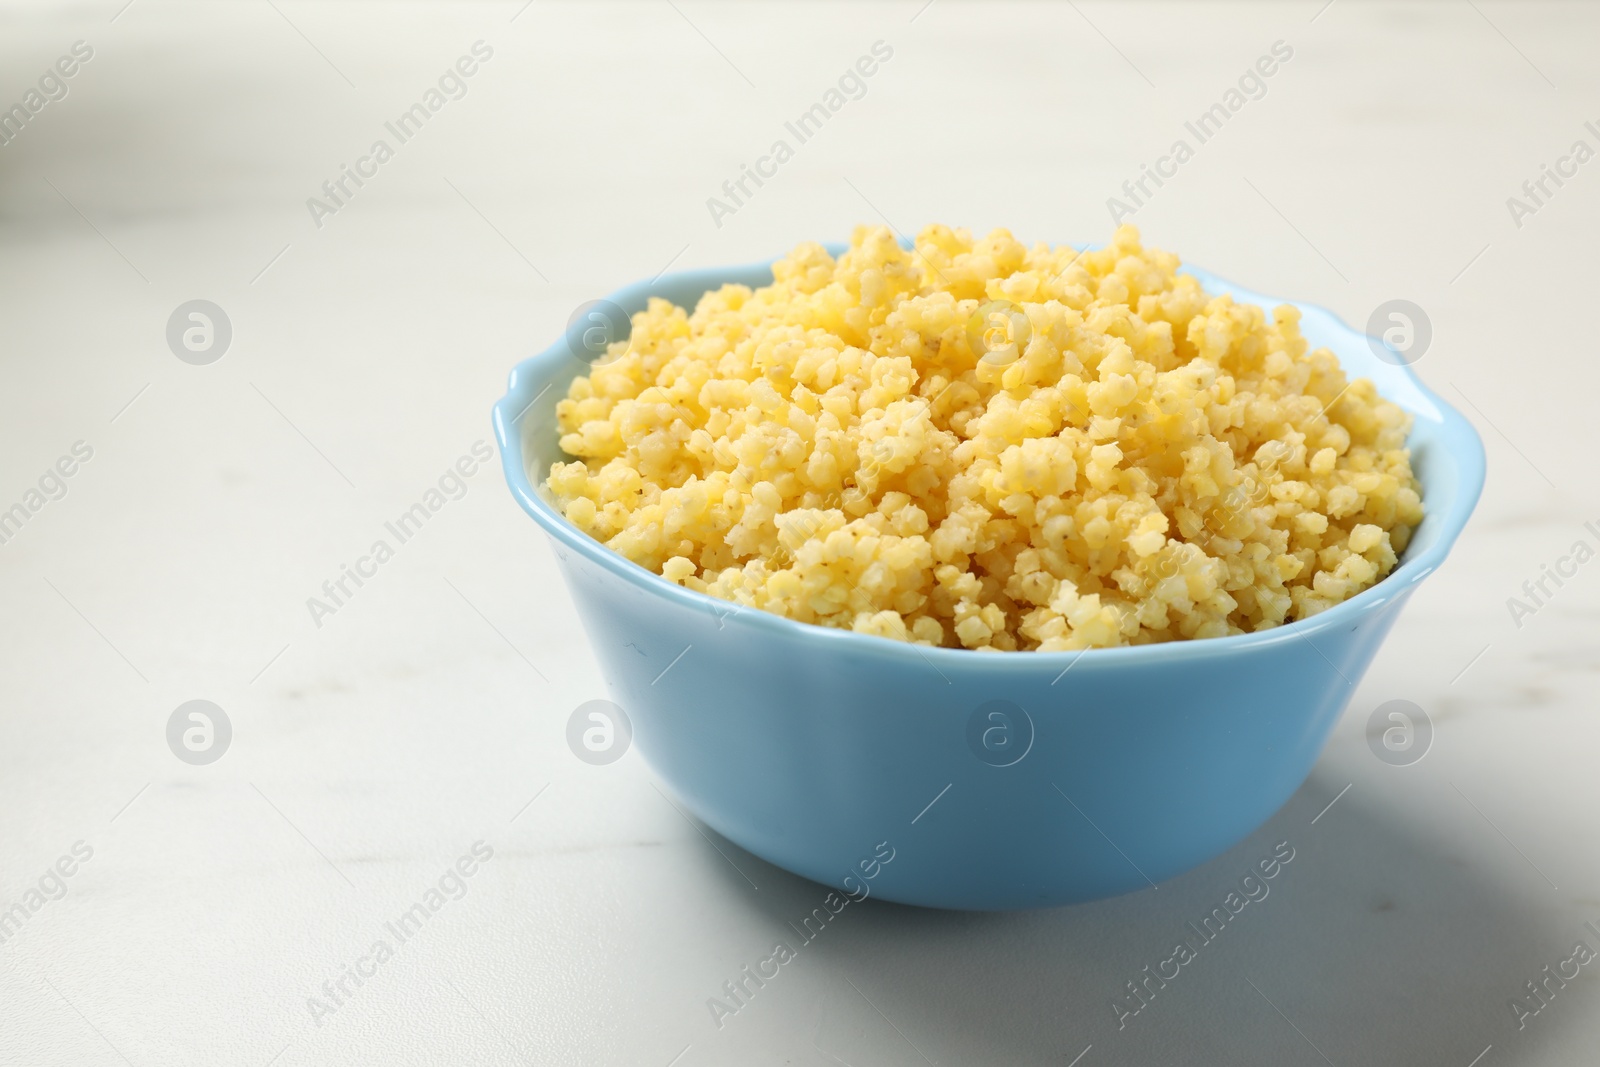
(994, 781)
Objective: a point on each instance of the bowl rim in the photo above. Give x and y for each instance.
(1461, 441)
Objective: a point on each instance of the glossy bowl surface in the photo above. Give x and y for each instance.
(822, 750)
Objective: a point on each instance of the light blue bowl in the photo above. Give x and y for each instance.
(822, 750)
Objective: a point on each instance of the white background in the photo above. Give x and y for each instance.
(370, 752)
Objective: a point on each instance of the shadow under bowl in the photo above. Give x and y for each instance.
(994, 780)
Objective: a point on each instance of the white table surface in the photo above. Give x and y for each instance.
(370, 752)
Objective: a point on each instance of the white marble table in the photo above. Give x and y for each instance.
(374, 746)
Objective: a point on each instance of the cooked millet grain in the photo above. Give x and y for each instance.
(1154, 464)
